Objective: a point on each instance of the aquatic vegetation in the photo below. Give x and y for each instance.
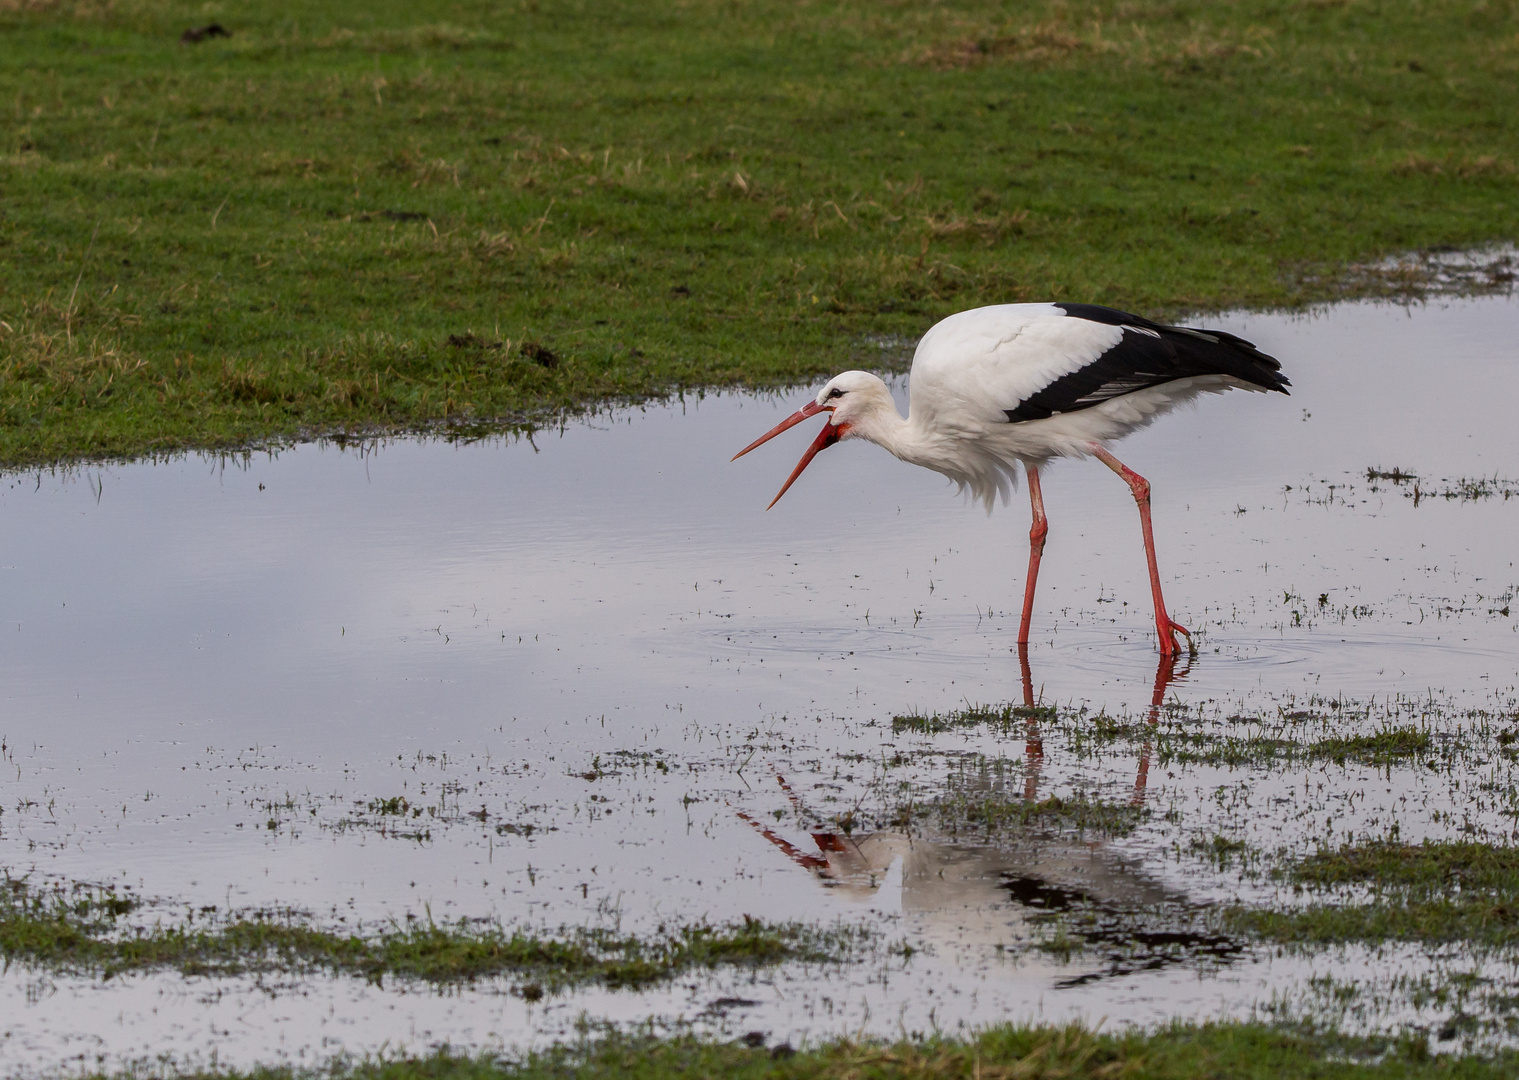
(1383, 890)
(89, 931)
(972, 716)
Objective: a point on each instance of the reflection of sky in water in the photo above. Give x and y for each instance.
(190, 652)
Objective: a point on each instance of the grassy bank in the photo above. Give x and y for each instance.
(1002, 1053)
(470, 214)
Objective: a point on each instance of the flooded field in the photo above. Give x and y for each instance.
(586, 681)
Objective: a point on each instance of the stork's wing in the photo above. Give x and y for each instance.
(1032, 361)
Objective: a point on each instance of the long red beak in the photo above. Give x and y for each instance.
(830, 434)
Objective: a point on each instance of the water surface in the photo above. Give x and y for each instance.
(210, 670)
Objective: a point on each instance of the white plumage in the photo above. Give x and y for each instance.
(996, 387)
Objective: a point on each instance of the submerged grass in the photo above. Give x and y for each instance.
(472, 215)
(1426, 867)
(1386, 747)
(1182, 742)
(973, 812)
(1451, 891)
(1434, 892)
(90, 934)
(1005, 1052)
(1001, 717)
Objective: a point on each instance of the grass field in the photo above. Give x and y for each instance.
(405, 216)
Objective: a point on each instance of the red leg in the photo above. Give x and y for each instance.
(1036, 534)
(1164, 625)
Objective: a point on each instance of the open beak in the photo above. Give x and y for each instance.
(826, 438)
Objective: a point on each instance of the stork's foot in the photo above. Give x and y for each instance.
(1169, 646)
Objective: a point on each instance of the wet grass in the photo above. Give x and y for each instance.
(1179, 740)
(1465, 489)
(468, 216)
(1462, 892)
(90, 931)
(1455, 765)
(1384, 748)
(999, 717)
(974, 813)
(1459, 489)
(1005, 1052)
(1390, 746)
(1427, 867)
(1076, 813)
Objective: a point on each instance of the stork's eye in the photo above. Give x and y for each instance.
(835, 393)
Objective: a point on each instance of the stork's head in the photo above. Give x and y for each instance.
(853, 401)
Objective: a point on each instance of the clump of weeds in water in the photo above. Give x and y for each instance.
(968, 811)
(1271, 743)
(998, 717)
(1390, 746)
(1222, 852)
(1383, 890)
(985, 800)
(1179, 736)
(86, 931)
(1460, 489)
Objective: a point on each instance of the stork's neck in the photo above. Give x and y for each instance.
(887, 428)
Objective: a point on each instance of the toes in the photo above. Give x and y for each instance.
(1169, 646)
(1191, 645)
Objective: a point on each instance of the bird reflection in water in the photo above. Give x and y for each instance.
(1168, 670)
(1039, 869)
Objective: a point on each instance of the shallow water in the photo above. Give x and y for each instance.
(210, 670)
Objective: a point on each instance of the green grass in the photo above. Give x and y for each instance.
(1180, 741)
(463, 215)
(973, 811)
(89, 932)
(1390, 746)
(1448, 892)
(1001, 717)
(1183, 1052)
(1428, 867)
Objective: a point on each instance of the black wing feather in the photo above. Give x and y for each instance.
(1149, 354)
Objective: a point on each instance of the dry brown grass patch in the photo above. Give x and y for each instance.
(1066, 39)
(42, 347)
(1463, 166)
(1044, 41)
(988, 229)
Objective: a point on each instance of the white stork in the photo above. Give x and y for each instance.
(997, 386)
